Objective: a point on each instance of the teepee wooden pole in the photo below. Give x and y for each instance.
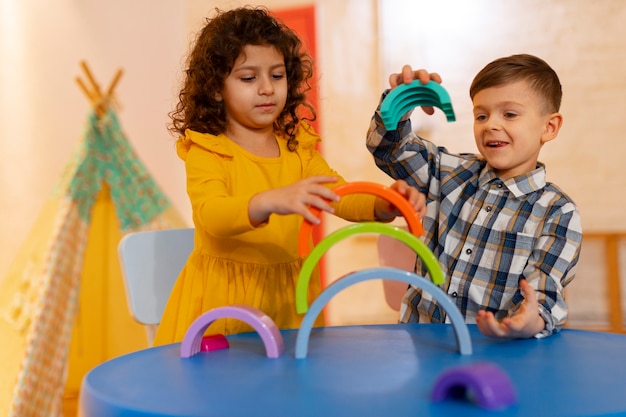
(96, 98)
(92, 80)
(85, 90)
(113, 84)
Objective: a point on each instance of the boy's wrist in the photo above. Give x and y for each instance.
(540, 324)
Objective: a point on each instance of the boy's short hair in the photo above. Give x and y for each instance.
(543, 79)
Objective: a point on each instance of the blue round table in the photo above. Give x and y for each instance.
(378, 370)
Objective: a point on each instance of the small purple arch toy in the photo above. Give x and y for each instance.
(485, 383)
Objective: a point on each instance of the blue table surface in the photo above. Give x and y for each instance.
(375, 370)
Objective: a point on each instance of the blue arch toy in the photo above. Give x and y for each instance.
(464, 342)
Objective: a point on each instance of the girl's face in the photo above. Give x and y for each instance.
(255, 91)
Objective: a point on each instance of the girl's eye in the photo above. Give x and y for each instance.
(278, 76)
(247, 79)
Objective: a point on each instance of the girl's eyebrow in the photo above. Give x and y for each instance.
(253, 67)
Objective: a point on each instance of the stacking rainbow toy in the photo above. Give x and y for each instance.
(193, 342)
(489, 384)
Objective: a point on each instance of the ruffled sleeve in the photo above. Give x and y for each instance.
(307, 137)
(206, 141)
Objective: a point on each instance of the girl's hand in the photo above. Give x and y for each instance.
(384, 211)
(408, 75)
(293, 199)
(524, 324)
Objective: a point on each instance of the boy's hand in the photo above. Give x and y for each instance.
(524, 324)
(408, 75)
(385, 211)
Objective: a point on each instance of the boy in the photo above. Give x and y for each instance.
(507, 240)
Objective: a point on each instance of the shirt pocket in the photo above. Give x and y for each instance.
(511, 255)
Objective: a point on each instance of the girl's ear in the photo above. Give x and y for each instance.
(218, 97)
(553, 125)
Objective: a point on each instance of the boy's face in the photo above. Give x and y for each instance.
(510, 126)
(255, 91)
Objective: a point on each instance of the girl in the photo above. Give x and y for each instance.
(252, 171)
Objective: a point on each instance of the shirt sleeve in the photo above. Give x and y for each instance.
(400, 153)
(552, 265)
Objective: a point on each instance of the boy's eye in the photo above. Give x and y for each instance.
(510, 115)
(481, 117)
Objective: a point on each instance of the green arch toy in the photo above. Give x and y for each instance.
(425, 254)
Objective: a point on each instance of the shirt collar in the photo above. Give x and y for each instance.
(518, 186)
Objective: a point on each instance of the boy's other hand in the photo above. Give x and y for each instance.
(524, 324)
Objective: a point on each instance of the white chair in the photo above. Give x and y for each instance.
(151, 262)
(395, 254)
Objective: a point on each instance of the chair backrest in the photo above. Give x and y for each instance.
(151, 262)
(394, 253)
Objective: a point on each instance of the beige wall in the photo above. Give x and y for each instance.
(42, 112)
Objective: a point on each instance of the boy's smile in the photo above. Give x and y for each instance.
(511, 126)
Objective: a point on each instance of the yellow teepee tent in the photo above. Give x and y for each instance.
(63, 308)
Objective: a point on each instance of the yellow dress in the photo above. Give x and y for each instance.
(234, 262)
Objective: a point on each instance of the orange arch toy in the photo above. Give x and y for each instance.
(392, 196)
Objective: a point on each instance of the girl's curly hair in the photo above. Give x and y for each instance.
(217, 47)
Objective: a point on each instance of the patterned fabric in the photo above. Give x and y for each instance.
(44, 312)
(486, 232)
(38, 301)
(106, 156)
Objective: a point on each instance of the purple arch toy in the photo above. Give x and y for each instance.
(491, 387)
(261, 322)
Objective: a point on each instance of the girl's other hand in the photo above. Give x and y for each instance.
(385, 211)
(294, 199)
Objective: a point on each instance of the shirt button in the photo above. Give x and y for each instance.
(489, 208)
(468, 251)
(500, 185)
(454, 294)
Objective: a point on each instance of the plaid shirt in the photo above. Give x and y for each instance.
(487, 233)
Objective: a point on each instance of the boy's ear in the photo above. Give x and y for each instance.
(553, 125)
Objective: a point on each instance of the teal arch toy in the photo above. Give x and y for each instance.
(407, 96)
(428, 258)
(463, 340)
